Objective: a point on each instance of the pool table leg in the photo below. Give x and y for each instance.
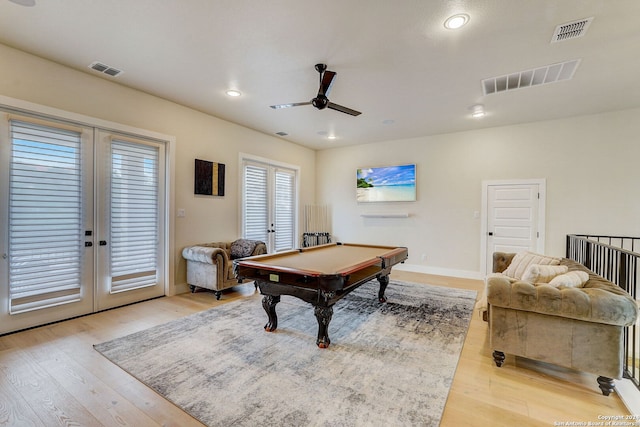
(269, 304)
(384, 281)
(323, 315)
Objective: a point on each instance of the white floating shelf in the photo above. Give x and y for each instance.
(385, 215)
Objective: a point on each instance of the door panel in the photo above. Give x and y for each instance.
(284, 210)
(47, 254)
(512, 219)
(129, 224)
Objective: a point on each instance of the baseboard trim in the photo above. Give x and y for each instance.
(438, 271)
(180, 288)
(629, 394)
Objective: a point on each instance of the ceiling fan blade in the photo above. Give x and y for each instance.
(343, 109)
(294, 104)
(326, 83)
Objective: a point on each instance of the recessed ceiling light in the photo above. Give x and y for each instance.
(477, 111)
(233, 93)
(456, 21)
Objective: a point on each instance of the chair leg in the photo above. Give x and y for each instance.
(606, 385)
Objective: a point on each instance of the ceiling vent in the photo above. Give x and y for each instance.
(571, 30)
(105, 69)
(535, 77)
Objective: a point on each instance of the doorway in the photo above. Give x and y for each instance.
(269, 203)
(513, 218)
(84, 224)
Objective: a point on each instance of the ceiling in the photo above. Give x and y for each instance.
(395, 61)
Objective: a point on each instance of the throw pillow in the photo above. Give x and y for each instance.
(242, 248)
(572, 279)
(537, 273)
(522, 260)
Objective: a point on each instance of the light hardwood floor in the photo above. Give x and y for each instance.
(51, 375)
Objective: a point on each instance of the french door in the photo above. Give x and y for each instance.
(129, 228)
(81, 220)
(269, 195)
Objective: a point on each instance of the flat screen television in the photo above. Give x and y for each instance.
(386, 184)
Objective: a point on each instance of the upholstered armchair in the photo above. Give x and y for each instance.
(210, 265)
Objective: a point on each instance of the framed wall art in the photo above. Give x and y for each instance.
(209, 178)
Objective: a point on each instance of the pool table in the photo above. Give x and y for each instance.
(320, 275)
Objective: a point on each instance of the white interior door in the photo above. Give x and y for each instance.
(513, 218)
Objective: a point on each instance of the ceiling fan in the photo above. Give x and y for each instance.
(321, 101)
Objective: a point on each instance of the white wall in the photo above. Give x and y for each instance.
(30, 78)
(590, 165)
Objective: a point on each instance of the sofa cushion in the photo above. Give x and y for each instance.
(537, 273)
(572, 279)
(522, 260)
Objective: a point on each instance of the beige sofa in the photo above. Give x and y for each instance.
(576, 325)
(210, 265)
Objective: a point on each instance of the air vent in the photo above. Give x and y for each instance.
(535, 77)
(571, 30)
(105, 69)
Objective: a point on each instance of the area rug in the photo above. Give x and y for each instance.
(388, 364)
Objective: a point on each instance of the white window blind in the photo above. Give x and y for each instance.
(45, 216)
(134, 215)
(284, 209)
(255, 203)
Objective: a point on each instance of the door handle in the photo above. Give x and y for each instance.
(491, 233)
(88, 244)
(103, 243)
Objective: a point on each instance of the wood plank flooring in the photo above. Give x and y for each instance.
(52, 376)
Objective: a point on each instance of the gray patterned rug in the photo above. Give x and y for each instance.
(388, 364)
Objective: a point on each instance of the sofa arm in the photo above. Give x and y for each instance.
(260, 249)
(205, 254)
(501, 261)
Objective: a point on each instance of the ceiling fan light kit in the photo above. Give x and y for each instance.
(321, 101)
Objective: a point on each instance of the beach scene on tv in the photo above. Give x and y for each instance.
(386, 184)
